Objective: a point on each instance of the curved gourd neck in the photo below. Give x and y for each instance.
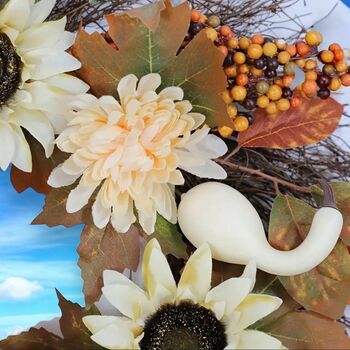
(310, 253)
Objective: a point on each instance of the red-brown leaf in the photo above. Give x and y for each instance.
(105, 249)
(310, 123)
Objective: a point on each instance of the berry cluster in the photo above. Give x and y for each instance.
(261, 70)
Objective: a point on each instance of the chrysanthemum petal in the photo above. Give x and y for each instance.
(100, 213)
(59, 178)
(252, 339)
(127, 86)
(208, 147)
(173, 93)
(209, 170)
(196, 277)
(123, 219)
(79, 197)
(149, 82)
(255, 307)
(147, 221)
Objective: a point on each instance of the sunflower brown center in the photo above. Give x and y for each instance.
(185, 326)
(10, 69)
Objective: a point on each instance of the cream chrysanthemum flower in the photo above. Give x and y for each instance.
(134, 149)
(33, 61)
(191, 314)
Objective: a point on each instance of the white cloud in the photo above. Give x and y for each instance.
(14, 330)
(17, 288)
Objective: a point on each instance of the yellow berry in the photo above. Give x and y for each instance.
(256, 72)
(225, 131)
(241, 123)
(233, 43)
(274, 93)
(279, 82)
(281, 44)
(314, 38)
(214, 21)
(239, 93)
(271, 108)
(311, 75)
(327, 56)
(270, 49)
(255, 51)
(232, 111)
(212, 34)
(283, 57)
(226, 96)
(243, 68)
(310, 64)
(341, 66)
(244, 43)
(239, 57)
(231, 71)
(300, 63)
(283, 104)
(335, 84)
(263, 101)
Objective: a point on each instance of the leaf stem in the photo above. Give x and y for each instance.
(276, 181)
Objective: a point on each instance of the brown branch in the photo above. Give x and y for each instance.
(275, 180)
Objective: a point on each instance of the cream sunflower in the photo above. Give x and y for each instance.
(132, 150)
(188, 316)
(33, 61)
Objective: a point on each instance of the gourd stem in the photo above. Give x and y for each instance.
(329, 197)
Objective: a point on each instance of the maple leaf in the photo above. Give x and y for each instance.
(310, 123)
(105, 249)
(324, 289)
(149, 44)
(342, 195)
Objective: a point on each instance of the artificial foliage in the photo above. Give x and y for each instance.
(276, 163)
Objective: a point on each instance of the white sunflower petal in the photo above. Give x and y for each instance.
(40, 11)
(7, 148)
(15, 14)
(196, 277)
(22, 158)
(255, 307)
(252, 339)
(96, 323)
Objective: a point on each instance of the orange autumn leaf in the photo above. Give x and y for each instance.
(310, 123)
(149, 44)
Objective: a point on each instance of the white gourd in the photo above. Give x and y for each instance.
(222, 217)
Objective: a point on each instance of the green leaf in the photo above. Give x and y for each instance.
(169, 238)
(105, 249)
(342, 195)
(326, 288)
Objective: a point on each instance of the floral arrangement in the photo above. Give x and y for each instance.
(118, 128)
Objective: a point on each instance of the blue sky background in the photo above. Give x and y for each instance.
(45, 257)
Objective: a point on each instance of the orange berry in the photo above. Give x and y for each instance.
(255, 51)
(291, 49)
(278, 82)
(288, 80)
(271, 108)
(223, 49)
(195, 15)
(296, 101)
(311, 75)
(244, 68)
(239, 93)
(335, 84)
(327, 56)
(339, 55)
(309, 87)
(203, 18)
(225, 131)
(300, 63)
(345, 79)
(310, 64)
(244, 43)
(283, 104)
(232, 111)
(226, 96)
(233, 43)
(334, 47)
(274, 93)
(229, 36)
(341, 66)
(263, 101)
(242, 79)
(314, 38)
(302, 48)
(270, 49)
(284, 57)
(231, 71)
(241, 123)
(239, 57)
(225, 30)
(258, 39)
